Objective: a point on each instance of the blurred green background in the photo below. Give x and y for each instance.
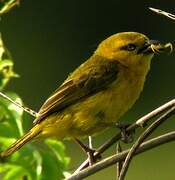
(49, 39)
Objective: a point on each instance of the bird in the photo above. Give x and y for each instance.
(98, 93)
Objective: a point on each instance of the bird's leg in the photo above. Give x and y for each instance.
(88, 150)
(127, 137)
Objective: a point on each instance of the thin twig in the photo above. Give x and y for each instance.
(150, 144)
(120, 163)
(141, 138)
(160, 12)
(140, 122)
(26, 109)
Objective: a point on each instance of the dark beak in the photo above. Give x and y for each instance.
(146, 48)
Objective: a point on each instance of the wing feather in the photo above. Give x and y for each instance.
(79, 86)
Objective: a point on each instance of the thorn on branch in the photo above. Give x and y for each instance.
(139, 123)
(150, 144)
(164, 13)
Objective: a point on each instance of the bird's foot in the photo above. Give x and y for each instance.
(126, 137)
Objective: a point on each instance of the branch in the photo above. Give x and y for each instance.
(119, 164)
(140, 122)
(142, 137)
(150, 144)
(160, 12)
(24, 108)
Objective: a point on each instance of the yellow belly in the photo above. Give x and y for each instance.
(96, 112)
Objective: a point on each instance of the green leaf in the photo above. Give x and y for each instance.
(5, 167)
(2, 50)
(6, 130)
(6, 72)
(39, 161)
(42, 162)
(16, 173)
(6, 64)
(58, 149)
(16, 111)
(12, 115)
(5, 142)
(51, 168)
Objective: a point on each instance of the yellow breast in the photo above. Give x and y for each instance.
(106, 107)
(98, 111)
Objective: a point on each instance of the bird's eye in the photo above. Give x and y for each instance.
(130, 47)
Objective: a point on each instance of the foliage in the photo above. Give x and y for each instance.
(44, 160)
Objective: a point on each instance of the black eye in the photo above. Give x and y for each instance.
(130, 47)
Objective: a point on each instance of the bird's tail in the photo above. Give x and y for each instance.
(19, 143)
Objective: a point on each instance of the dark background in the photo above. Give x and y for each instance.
(49, 39)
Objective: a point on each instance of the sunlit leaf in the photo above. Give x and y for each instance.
(59, 150)
(39, 160)
(6, 72)
(5, 142)
(2, 50)
(51, 167)
(16, 173)
(6, 65)
(34, 161)
(16, 111)
(7, 5)
(12, 114)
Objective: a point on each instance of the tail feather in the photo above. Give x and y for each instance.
(19, 143)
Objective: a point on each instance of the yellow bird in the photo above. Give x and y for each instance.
(98, 92)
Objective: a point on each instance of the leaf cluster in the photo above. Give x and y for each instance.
(39, 160)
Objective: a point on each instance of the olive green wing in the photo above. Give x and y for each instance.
(94, 79)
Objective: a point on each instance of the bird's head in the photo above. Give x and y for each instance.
(130, 49)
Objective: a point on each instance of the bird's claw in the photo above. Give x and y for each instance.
(126, 137)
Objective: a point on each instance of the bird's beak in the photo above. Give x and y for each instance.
(156, 47)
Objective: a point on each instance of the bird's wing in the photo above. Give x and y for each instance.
(94, 79)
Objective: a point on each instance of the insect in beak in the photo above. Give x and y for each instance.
(156, 47)
(161, 48)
